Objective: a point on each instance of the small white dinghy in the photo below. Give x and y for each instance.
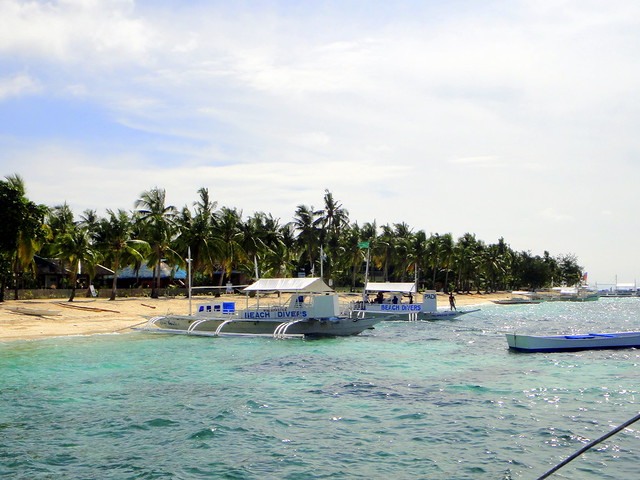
(564, 343)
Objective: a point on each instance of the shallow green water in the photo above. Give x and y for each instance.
(436, 400)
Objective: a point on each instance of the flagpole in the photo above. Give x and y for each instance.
(366, 277)
(189, 275)
(255, 264)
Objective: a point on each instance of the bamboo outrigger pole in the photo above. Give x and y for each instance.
(587, 447)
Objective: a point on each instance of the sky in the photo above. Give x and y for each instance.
(509, 118)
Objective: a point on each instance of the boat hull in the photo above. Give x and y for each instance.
(566, 343)
(516, 301)
(404, 312)
(427, 316)
(312, 327)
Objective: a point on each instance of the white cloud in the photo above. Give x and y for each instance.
(483, 161)
(18, 85)
(556, 215)
(75, 31)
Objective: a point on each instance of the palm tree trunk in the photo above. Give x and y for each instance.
(353, 275)
(156, 281)
(73, 286)
(114, 288)
(15, 277)
(435, 270)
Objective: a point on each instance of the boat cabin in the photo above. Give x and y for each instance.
(397, 298)
(308, 298)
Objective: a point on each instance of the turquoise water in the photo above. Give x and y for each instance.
(433, 400)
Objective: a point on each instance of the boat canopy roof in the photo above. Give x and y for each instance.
(390, 287)
(309, 285)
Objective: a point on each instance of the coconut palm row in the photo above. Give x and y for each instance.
(319, 242)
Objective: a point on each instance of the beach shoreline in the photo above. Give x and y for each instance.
(45, 318)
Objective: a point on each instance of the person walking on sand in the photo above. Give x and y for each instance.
(452, 302)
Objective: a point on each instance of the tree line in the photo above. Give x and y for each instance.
(317, 242)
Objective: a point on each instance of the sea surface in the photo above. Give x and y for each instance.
(420, 400)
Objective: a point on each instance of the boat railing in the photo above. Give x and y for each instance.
(354, 313)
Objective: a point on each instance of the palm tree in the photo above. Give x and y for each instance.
(284, 259)
(433, 251)
(354, 255)
(332, 219)
(369, 234)
(446, 257)
(467, 255)
(418, 252)
(308, 239)
(496, 263)
(114, 237)
(22, 231)
(402, 253)
(90, 220)
(384, 250)
(61, 219)
(196, 232)
(157, 222)
(278, 257)
(227, 240)
(262, 235)
(74, 248)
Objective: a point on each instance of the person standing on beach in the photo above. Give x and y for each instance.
(452, 302)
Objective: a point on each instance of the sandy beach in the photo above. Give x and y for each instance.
(34, 319)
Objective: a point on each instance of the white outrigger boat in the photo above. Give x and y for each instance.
(560, 343)
(519, 298)
(398, 301)
(313, 310)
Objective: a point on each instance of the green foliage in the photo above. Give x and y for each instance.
(74, 247)
(221, 241)
(21, 229)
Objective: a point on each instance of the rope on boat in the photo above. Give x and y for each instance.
(587, 447)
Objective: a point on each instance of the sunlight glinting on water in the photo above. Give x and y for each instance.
(426, 400)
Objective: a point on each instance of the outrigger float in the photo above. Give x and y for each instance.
(312, 310)
(400, 301)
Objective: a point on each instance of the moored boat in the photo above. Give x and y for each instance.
(312, 310)
(515, 301)
(401, 301)
(559, 343)
(519, 298)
